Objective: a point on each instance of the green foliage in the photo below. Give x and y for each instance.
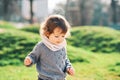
(31, 28)
(96, 39)
(15, 45)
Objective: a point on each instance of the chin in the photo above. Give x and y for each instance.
(56, 43)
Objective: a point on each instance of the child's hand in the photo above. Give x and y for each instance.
(27, 61)
(71, 71)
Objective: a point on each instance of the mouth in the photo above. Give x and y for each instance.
(58, 42)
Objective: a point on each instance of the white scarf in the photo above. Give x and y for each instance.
(52, 46)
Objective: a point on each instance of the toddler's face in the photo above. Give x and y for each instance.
(57, 36)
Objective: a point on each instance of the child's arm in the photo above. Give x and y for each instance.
(33, 56)
(69, 69)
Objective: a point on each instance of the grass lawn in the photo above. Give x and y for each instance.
(99, 67)
(15, 44)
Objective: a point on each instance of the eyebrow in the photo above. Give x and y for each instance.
(59, 34)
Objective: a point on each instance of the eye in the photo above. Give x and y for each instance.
(63, 36)
(56, 36)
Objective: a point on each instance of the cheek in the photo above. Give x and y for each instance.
(52, 38)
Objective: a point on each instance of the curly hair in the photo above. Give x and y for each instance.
(52, 22)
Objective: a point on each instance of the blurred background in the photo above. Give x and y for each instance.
(93, 47)
(77, 12)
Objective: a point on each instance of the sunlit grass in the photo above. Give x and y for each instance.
(17, 73)
(100, 67)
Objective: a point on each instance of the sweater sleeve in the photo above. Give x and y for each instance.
(68, 64)
(67, 61)
(34, 55)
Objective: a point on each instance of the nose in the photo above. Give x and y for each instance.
(60, 39)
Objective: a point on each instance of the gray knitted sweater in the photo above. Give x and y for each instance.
(51, 65)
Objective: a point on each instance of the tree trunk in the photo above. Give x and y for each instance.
(114, 13)
(31, 11)
(5, 10)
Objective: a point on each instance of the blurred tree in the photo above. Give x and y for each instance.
(67, 14)
(31, 11)
(5, 8)
(91, 12)
(10, 10)
(114, 10)
(59, 9)
(115, 6)
(82, 11)
(72, 12)
(86, 11)
(97, 13)
(79, 12)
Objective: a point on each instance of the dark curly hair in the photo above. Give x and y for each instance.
(52, 22)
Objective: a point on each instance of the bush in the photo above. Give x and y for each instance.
(31, 28)
(96, 39)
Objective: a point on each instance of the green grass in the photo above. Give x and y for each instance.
(6, 25)
(15, 45)
(93, 67)
(17, 73)
(95, 39)
(92, 61)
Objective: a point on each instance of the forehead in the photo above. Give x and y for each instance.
(58, 30)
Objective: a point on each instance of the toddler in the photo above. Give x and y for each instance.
(50, 55)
